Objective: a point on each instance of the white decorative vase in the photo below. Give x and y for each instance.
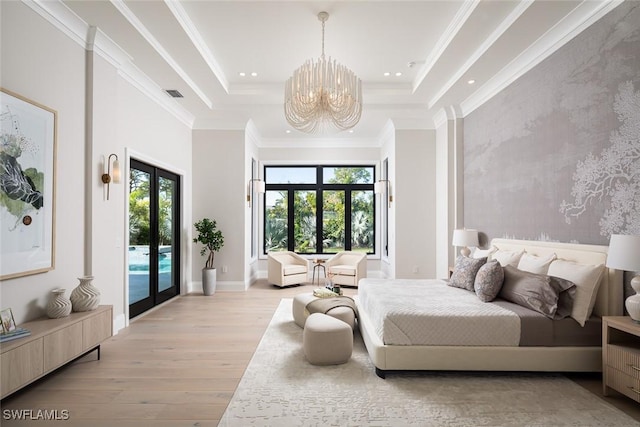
(632, 303)
(209, 281)
(58, 305)
(85, 297)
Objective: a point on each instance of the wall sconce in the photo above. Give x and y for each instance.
(111, 176)
(381, 185)
(256, 185)
(465, 238)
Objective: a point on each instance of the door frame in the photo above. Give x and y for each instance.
(183, 273)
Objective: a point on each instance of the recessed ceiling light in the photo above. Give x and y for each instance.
(472, 81)
(242, 74)
(254, 74)
(350, 131)
(398, 74)
(387, 74)
(287, 131)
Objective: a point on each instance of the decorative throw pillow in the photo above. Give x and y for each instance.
(464, 272)
(535, 264)
(534, 291)
(484, 253)
(507, 257)
(587, 280)
(489, 281)
(565, 298)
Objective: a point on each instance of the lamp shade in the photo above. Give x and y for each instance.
(624, 252)
(465, 237)
(259, 186)
(116, 171)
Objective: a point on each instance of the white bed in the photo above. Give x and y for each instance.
(609, 302)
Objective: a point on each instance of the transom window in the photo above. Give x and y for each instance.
(319, 209)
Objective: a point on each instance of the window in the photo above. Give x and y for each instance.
(319, 209)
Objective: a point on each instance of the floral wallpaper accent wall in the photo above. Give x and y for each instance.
(556, 155)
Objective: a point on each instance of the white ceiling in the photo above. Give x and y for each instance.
(200, 47)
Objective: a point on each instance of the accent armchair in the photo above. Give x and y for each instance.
(287, 268)
(347, 267)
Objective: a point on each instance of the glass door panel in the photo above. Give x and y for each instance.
(333, 230)
(362, 221)
(139, 235)
(304, 221)
(275, 227)
(166, 192)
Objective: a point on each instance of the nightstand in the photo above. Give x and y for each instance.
(621, 356)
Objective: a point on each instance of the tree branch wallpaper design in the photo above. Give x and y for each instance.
(614, 175)
(555, 155)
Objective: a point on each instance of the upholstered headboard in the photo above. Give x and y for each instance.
(610, 299)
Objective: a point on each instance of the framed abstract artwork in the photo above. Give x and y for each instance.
(27, 186)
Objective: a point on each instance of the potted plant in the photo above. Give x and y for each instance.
(212, 239)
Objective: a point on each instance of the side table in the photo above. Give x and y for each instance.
(317, 265)
(621, 356)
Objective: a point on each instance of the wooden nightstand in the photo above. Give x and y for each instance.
(621, 356)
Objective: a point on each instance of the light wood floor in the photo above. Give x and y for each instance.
(177, 366)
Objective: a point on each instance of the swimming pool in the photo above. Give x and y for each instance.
(139, 286)
(139, 259)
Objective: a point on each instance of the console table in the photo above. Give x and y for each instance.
(52, 344)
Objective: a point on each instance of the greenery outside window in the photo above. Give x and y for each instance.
(334, 202)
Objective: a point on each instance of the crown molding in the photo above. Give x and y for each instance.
(94, 40)
(194, 35)
(146, 34)
(328, 142)
(252, 134)
(584, 15)
(61, 17)
(493, 37)
(453, 28)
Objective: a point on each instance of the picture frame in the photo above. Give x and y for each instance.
(27, 186)
(8, 322)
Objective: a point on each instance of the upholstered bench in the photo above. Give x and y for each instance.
(300, 312)
(327, 340)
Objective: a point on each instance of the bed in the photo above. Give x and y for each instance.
(496, 356)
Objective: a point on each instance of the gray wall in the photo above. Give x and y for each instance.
(551, 156)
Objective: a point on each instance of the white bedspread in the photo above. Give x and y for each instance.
(429, 312)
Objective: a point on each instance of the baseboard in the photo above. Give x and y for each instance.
(118, 323)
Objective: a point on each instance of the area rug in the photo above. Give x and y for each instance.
(280, 388)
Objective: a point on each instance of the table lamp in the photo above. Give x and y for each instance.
(624, 254)
(465, 238)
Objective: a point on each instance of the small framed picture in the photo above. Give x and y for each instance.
(8, 323)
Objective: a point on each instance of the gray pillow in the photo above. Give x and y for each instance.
(464, 272)
(534, 291)
(489, 281)
(565, 298)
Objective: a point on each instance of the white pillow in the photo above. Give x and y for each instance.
(483, 253)
(587, 280)
(535, 264)
(507, 257)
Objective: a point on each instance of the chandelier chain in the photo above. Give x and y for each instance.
(322, 56)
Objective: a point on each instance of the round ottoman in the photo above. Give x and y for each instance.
(300, 312)
(327, 340)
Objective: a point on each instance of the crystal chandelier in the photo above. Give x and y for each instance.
(323, 95)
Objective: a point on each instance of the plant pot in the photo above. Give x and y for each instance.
(209, 281)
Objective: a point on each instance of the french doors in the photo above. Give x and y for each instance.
(154, 236)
